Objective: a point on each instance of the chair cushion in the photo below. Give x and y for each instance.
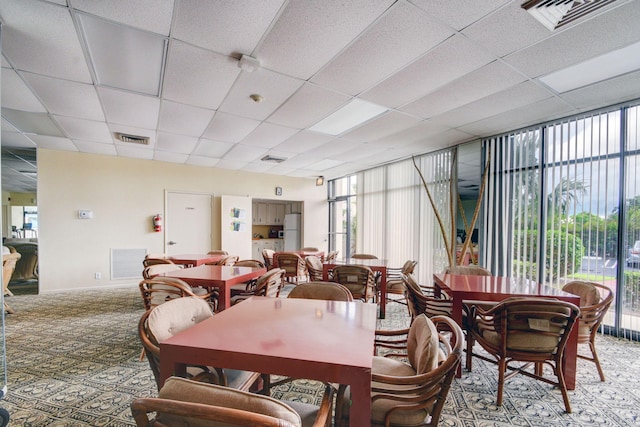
(391, 366)
(176, 315)
(422, 345)
(181, 389)
(589, 294)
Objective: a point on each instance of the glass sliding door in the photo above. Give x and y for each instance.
(342, 216)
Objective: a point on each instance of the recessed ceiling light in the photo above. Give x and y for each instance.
(594, 70)
(351, 115)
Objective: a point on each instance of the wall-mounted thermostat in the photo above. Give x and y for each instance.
(85, 214)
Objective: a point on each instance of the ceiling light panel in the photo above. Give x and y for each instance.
(595, 70)
(123, 57)
(351, 115)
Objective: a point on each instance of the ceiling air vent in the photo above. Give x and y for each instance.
(554, 14)
(269, 158)
(133, 139)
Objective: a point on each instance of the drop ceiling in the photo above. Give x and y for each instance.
(446, 71)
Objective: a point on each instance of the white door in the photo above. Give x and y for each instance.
(188, 223)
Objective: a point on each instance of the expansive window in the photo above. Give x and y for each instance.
(558, 195)
(342, 211)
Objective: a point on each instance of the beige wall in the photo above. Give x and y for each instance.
(124, 194)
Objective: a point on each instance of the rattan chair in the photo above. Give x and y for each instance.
(595, 300)
(331, 256)
(242, 287)
(227, 260)
(158, 290)
(529, 330)
(155, 269)
(364, 256)
(268, 285)
(267, 255)
(165, 320)
(293, 265)
(218, 252)
(314, 268)
(410, 384)
(330, 291)
(183, 402)
(395, 283)
(359, 279)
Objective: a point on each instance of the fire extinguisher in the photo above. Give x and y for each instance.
(157, 223)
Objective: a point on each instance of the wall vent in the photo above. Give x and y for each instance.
(127, 263)
(133, 139)
(275, 159)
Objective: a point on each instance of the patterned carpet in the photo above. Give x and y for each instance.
(73, 360)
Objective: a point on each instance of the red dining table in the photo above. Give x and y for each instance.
(377, 265)
(194, 260)
(330, 341)
(497, 288)
(221, 277)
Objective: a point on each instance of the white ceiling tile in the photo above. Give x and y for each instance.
(176, 143)
(308, 34)
(274, 88)
(536, 112)
(400, 36)
(198, 77)
(84, 129)
(610, 91)
(230, 164)
(66, 98)
(491, 78)
(130, 109)
(96, 148)
(150, 15)
(202, 161)
(53, 142)
(268, 135)
(299, 161)
(15, 139)
(244, 153)
(308, 106)
(325, 164)
(459, 13)
(40, 37)
(134, 152)
(342, 170)
(360, 152)
(229, 128)
(514, 97)
(451, 59)
(382, 126)
(172, 157)
(183, 119)
(302, 173)
(517, 29)
(412, 134)
(209, 148)
(279, 169)
(228, 27)
(5, 63)
(332, 148)
(303, 141)
(7, 127)
(16, 94)
(39, 123)
(613, 30)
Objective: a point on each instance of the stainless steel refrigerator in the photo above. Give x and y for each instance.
(292, 232)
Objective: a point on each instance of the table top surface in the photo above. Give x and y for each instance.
(359, 261)
(329, 332)
(498, 285)
(213, 272)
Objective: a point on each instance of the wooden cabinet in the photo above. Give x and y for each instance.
(275, 214)
(260, 213)
(268, 213)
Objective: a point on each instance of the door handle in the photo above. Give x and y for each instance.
(171, 242)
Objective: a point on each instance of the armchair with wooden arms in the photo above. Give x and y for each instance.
(293, 264)
(268, 285)
(183, 402)
(165, 320)
(595, 300)
(267, 255)
(395, 284)
(314, 268)
(359, 279)
(529, 330)
(329, 291)
(410, 393)
(158, 290)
